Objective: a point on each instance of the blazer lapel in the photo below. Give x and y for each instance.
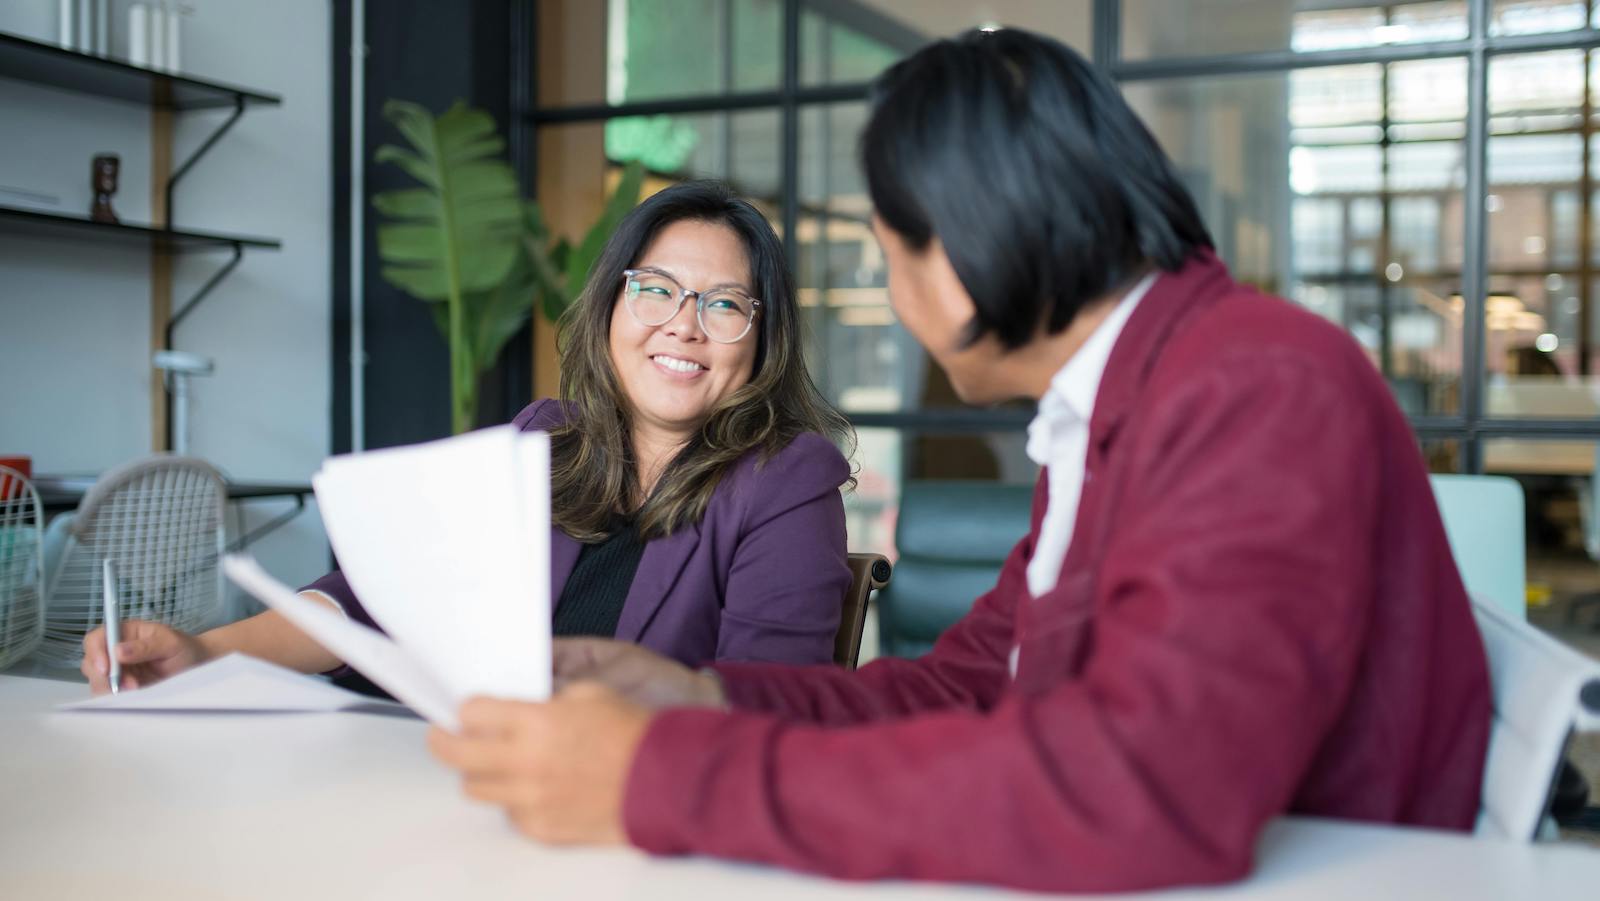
(659, 567)
(1056, 629)
(563, 557)
(1173, 298)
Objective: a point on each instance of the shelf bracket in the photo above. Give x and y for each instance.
(177, 176)
(186, 309)
(205, 289)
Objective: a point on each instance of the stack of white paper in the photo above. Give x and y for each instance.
(236, 683)
(447, 544)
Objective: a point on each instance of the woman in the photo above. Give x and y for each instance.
(694, 486)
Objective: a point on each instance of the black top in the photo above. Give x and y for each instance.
(591, 603)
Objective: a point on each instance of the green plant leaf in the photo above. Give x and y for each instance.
(623, 199)
(552, 305)
(553, 300)
(533, 221)
(470, 149)
(414, 166)
(408, 243)
(559, 254)
(423, 284)
(460, 232)
(500, 313)
(456, 236)
(441, 319)
(414, 122)
(413, 203)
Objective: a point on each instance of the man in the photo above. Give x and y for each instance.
(1236, 600)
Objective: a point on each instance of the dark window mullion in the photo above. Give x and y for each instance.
(789, 158)
(703, 103)
(1511, 427)
(1272, 61)
(1585, 211)
(946, 421)
(1267, 61)
(1474, 276)
(1106, 31)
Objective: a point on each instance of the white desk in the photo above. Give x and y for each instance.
(173, 807)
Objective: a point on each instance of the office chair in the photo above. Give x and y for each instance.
(1483, 521)
(21, 567)
(1543, 691)
(952, 537)
(160, 521)
(868, 573)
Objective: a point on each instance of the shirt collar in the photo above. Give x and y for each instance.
(1070, 398)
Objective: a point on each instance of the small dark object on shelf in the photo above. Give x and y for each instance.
(103, 179)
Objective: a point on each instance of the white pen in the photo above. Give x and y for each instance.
(113, 627)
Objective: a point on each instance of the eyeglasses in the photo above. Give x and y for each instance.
(654, 298)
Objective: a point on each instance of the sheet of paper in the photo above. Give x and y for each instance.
(373, 653)
(447, 545)
(234, 683)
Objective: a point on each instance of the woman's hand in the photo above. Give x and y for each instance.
(559, 769)
(643, 677)
(149, 652)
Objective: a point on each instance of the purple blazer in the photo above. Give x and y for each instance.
(761, 578)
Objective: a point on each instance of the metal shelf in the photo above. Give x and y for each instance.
(25, 59)
(39, 223)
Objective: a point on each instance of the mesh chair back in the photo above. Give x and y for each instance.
(21, 567)
(160, 521)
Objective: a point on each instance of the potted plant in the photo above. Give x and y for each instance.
(466, 243)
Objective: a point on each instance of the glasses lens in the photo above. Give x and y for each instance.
(726, 317)
(653, 298)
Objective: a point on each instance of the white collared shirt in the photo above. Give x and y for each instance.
(1058, 439)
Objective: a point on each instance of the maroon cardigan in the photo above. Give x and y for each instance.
(1259, 615)
(762, 576)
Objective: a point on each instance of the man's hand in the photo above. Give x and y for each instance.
(559, 769)
(641, 676)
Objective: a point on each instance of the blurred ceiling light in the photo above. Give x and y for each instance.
(1528, 322)
(1503, 305)
(1547, 342)
(860, 316)
(1302, 171)
(1505, 313)
(1394, 272)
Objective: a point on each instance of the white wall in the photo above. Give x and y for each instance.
(74, 316)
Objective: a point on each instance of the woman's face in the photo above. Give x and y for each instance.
(673, 374)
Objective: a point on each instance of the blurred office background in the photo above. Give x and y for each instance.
(1421, 173)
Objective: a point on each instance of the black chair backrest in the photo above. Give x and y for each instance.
(952, 538)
